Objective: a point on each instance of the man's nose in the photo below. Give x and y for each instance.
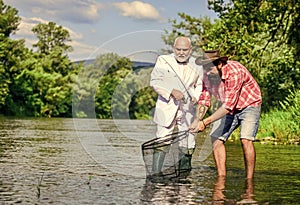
(181, 52)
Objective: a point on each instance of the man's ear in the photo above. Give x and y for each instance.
(220, 63)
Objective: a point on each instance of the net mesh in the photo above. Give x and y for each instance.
(163, 156)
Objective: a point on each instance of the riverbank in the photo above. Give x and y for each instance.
(277, 127)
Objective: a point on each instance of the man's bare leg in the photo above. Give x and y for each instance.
(249, 157)
(220, 157)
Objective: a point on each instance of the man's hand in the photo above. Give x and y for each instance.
(201, 126)
(197, 126)
(194, 100)
(194, 126)
(177, 94)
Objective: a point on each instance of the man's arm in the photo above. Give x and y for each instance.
(200, 112)
(203, 105)
(221, 112)
(159, 82)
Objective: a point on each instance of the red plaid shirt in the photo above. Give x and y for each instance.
(237, 89)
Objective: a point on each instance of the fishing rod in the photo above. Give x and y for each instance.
(179, 79)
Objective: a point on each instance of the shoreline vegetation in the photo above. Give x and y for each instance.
(279, 126)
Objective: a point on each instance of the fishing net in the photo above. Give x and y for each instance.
(164, 159)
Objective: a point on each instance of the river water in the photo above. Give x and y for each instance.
(88, 161)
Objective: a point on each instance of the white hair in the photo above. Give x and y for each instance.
(179, 37)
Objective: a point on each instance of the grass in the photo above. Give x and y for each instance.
(280, 126)
(276, 127)
(38, 187)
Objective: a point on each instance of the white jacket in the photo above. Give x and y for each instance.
(164, 80)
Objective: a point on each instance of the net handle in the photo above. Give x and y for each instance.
(175, 135)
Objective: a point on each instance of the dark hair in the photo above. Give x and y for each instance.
(216, 62)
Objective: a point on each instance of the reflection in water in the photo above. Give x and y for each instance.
(249, 190)
(218, 194)
(246, 198)
(170, 192)
(248, 195)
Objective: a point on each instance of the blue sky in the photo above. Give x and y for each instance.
(100, 26)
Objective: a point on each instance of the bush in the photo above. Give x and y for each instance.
(280, 126)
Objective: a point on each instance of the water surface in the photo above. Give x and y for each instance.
(88, 161)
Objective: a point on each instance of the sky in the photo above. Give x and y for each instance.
(128, 28)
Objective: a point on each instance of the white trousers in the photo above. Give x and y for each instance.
(182, 120)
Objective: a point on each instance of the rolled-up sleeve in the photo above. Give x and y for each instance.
(204, 98)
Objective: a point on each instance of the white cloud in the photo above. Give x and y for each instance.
(24, 32)
(81, 51)
(82, 19)
(81, 12)
(138, 10)
(87, 11)
(27, 24)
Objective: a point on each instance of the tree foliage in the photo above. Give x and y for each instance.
(52, 38)
(35, 83)
(109, 84)
(9, 19)
(143, 101)
(262, 35)
(96, 81)
(12, 55)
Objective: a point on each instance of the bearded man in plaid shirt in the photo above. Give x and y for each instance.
(233, 85)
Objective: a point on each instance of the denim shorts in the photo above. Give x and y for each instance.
(247, 119)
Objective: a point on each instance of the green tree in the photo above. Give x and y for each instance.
(21, 99)
(143, 102)
(35, 84)
(255, 33)
(53, 75)
(267, 32)
(9, 19)
(110, 84)
(96, 85)
(280, 17)
(51, 37)
(12, 55)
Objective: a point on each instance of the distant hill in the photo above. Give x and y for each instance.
(135, 63)
(142, 64)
